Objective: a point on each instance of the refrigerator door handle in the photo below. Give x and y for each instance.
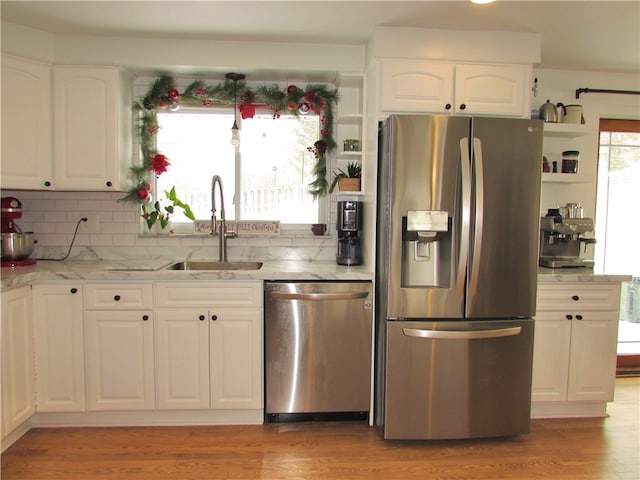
(319, 296)
(463, 256)
(479, 216)
(461, 335)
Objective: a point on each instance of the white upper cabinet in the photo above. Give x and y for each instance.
(464, 89)
(492, 90)
(417, 86)
(26, 124)
(93, 129)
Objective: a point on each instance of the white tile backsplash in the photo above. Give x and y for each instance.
(53, 217)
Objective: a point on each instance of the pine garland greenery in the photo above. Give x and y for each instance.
(313, 99)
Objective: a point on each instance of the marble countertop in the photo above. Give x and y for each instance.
(560, 275)
(153, 270)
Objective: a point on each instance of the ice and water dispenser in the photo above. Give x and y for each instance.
(426, 249)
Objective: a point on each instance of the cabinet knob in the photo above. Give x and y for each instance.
(74, 290)
(109, 184)
(47, 183)
(116, 298)
(578, 317)
(447, 106)
(201, 318)
(214, 317)
(145, 317)
(462, 106)
(568, 317)
(575, 298)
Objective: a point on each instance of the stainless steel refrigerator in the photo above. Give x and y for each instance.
(457, 245)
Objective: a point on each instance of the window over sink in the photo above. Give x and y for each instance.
(267, 179)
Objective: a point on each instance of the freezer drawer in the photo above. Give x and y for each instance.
(317, 347)
(457, 379)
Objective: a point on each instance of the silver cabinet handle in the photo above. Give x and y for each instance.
(319, 296)
(461, 335)
(463, 255)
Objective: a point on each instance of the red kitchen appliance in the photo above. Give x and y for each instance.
(16, 244)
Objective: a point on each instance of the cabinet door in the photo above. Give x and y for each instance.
(26, 124)
(120, 371)
(18, 382)
(182, 359)
(59, 337)
(492, 90)
(88, 140)
(592, 369)
(551, 357)
(236, 359)
(416, 86)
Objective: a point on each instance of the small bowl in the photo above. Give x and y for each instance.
(319, 228)
(16, 246)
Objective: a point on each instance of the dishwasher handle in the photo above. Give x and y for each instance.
(461, 335)
(319, 296)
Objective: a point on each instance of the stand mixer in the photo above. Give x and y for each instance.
(16, 244)
(561, 238)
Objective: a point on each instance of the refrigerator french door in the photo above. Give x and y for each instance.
(457, 243)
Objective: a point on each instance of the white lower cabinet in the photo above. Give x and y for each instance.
(574, 357)
(18, 373)
(59, 340)
(119, 347)
(211, 356)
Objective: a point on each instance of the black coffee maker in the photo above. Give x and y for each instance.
(349, 225)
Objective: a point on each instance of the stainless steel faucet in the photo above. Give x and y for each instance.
(223, 224)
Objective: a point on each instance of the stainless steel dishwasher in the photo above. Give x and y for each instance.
(317, 350)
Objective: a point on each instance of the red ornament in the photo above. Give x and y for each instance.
(292, 89)
(310, 96)
(247, 111)
(206, 103)
(143, 194)
(159, 164)
(201, 92)
(173, 94)
(153, 129)
(291, 106)
(322, 103)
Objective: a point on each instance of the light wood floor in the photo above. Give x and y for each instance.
(576, 449)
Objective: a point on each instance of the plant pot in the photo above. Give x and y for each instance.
(349, 184)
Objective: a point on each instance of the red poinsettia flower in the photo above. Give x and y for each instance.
(247, 111)
(206, 103)
(159, 164)
(201, 91)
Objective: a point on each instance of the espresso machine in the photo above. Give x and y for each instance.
(562, 235)
(349, 226)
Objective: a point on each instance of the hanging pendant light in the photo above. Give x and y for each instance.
(235, 131)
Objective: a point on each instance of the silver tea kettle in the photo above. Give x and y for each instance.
(549, 112)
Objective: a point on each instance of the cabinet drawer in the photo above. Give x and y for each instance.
(208, 294)
(121, 296)
(602, 296)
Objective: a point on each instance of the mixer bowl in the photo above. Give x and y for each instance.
(16, 246)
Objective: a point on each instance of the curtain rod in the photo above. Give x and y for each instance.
(600, 90)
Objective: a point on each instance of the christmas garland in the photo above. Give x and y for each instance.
(162, 94)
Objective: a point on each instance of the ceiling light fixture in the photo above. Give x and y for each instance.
(482, 2)
(235, 131)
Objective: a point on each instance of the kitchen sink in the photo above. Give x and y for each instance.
(212, 265)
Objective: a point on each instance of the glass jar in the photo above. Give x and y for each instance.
(570, 160)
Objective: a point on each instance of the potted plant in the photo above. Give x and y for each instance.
(348, 181)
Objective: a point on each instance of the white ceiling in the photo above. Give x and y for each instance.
(584, 35)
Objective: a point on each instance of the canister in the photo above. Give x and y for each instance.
(570, 161)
